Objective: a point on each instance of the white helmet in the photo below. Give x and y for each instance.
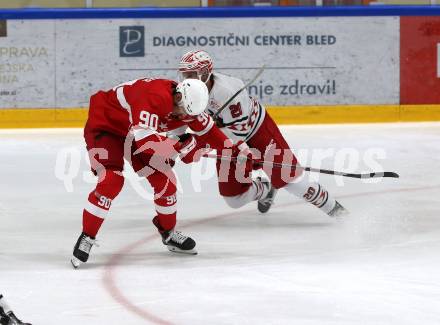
(198, 63)
(194, 96)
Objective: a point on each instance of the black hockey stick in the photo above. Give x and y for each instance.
(260, 71)
(310, 169)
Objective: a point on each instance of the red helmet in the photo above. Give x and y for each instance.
(196, 65)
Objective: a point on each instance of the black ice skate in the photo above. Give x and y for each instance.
(10, 319)
(4, 319)
(82, 249)
(175, 241)
(268, 196)
(178, 243)
(338, 211)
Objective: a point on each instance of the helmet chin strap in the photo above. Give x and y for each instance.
(207, 78)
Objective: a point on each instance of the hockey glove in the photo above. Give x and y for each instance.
(190, 150)
(219, 122)
(243, 155)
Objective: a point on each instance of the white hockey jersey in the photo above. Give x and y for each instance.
(243, 116)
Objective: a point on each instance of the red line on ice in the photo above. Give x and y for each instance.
(116, 258)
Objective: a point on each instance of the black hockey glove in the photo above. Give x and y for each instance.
(219, 122)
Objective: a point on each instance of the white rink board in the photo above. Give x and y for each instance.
(27, 64)
(322, 61)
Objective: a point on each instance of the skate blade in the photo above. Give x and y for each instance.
(263, 208)
(180, 251)
(75, 262)
(340, 214)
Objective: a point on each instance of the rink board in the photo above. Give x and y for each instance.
(309, 61)
(76, 117)
(317, 69)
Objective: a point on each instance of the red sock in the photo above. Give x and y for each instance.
(100, 201)
(164, 199)
(165, 222)
(93, 216)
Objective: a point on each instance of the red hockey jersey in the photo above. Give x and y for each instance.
(143, 106)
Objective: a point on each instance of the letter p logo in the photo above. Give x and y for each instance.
(131, 41)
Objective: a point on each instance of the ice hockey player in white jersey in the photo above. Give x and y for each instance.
(245, 119)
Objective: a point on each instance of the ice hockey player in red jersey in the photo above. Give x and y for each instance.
(125, 122)
(245, 119)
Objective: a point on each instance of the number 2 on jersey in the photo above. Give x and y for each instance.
(235, 110)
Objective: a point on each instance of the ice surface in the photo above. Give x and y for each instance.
(294, 265)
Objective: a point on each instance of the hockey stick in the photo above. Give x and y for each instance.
(260, 71)
(310, 169)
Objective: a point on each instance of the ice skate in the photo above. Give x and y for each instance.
(10, 318)
(338, 211)
(175, 241)
(4, 319)
(178, 243)
(268, 196)
(13, 320)
(82, 249)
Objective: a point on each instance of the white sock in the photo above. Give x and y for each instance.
(255, 192)
(313, 193)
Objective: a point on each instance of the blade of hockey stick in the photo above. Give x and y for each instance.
(259, 72)
(311, 169)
